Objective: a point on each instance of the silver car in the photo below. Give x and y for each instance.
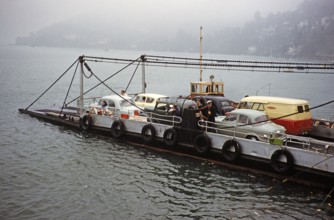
(250, 124)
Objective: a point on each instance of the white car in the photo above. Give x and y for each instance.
(250, 124)
(114, 104)
(148, 100)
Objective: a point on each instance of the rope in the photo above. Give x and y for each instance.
(315, 107)
(132, 77)
(89, 70)
(102, 82)
(241, 61)
(327, 197)
(297, 174)
(165, 60)
(132, 61)
(68, 91)
(284, 116)
(254, 66)
(300, 172)
(221, 68)
(212, 64)
(53, 83)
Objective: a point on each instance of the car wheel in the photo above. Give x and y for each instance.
(253, 138)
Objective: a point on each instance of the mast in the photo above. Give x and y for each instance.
(143, 73)
(200, 55)
(81, 85)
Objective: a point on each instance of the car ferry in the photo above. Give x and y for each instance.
(285, 156)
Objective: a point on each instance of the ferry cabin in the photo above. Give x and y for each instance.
(206, 88)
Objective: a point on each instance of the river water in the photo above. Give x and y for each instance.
(53, 172)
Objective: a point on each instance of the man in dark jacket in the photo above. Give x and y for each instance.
(209, 113)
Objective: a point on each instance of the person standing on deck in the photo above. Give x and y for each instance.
(123, 93)
(209, 112)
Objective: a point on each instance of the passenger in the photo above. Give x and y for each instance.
(199, 114)
(104, 109)
(199, 104)
(123, 93)
(174, 110)
(209, 113)
(104, 104)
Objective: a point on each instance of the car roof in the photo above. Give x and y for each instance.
(178, 101)
(116, 97)
(249, 112)
(268, 99)
(153, 95)
(213, 97)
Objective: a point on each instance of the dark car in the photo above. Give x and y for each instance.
(174, 111)
(220, 103)
(165, 105)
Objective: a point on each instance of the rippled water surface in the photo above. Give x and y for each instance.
(53, 172)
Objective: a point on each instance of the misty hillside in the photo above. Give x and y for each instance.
(306, 32)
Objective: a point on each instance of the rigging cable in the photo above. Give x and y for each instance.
(132, 61)
(126, 89)
(172, 60)
(75, 71)
(102, 82)
(89, 70)
(299, 173)
(242, 61)
(53, 83)
(327, 197)
(220, 64)
(315, 107)
(222, 68)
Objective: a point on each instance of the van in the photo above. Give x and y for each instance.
(293, 114)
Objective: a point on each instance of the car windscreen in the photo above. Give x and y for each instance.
(231, 117)
(225, 103)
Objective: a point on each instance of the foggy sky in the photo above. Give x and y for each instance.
(22, 17)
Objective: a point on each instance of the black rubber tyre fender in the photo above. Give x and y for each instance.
(202, 144)
(279, 166)
(170, 137)
(148, 133)
(229, 155)
(117, 128)
(86, 122)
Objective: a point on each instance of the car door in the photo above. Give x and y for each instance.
(243, 127)
(228, 124)
(140, 101)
